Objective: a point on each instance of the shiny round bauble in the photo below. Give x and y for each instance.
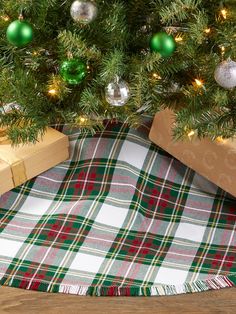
(225, 74)
(73, 71)
(83, 11)
(117, 93)
(163, 43)
(19, 33)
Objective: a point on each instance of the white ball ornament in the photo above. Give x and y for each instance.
(83, 11)
(225, 74)
(117, 93)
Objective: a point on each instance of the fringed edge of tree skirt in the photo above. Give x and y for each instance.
(216, 283)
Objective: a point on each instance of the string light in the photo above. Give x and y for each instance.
(199, 83)
(222, 48)
(56, 87)
(178, 38)
(224, 13)
(191, 134)
(52, 92)
(221, 140)
(89, 68)
(207, 30)
(156, 76)
(5, 18)
(82, 119)
(35, 53)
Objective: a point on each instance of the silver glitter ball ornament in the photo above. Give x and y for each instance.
(83, 11)
(225, 74)
(117, 93)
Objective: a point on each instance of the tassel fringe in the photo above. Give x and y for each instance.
(216, 283)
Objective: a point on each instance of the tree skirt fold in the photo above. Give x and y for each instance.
(122, 217)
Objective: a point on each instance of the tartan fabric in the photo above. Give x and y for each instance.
(121, 217)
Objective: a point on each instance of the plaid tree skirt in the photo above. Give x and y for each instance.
(122, 217)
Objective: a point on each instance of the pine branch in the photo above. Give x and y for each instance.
(177, 11)
(116, 43)
(77, 46)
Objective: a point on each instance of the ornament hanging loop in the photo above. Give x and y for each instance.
(117, 79)
(69, 55)
(21, 16)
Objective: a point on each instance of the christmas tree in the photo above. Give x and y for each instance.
(80, 62)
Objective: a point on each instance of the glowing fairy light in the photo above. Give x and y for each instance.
(224, 13)
(199, 83)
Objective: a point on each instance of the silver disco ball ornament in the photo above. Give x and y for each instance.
(83, 11)
(117, 93)
(225, 74)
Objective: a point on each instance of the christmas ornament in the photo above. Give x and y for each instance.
(19, 33)
(163, 43)
(225, 74)
(117, 93)
(83, 11)
(73, 71)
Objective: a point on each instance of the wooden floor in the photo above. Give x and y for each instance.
(29, 302)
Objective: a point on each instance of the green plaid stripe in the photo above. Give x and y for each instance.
(121, 217)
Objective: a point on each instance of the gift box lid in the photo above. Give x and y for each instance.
(23, 162)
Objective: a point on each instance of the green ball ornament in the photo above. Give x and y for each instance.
(163, 43)
(73, 71)
(19, 33)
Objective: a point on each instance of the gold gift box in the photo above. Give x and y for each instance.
(215, 160)
(21, 163)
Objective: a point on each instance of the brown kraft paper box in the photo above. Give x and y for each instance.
(215, 160)
(21, 163)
